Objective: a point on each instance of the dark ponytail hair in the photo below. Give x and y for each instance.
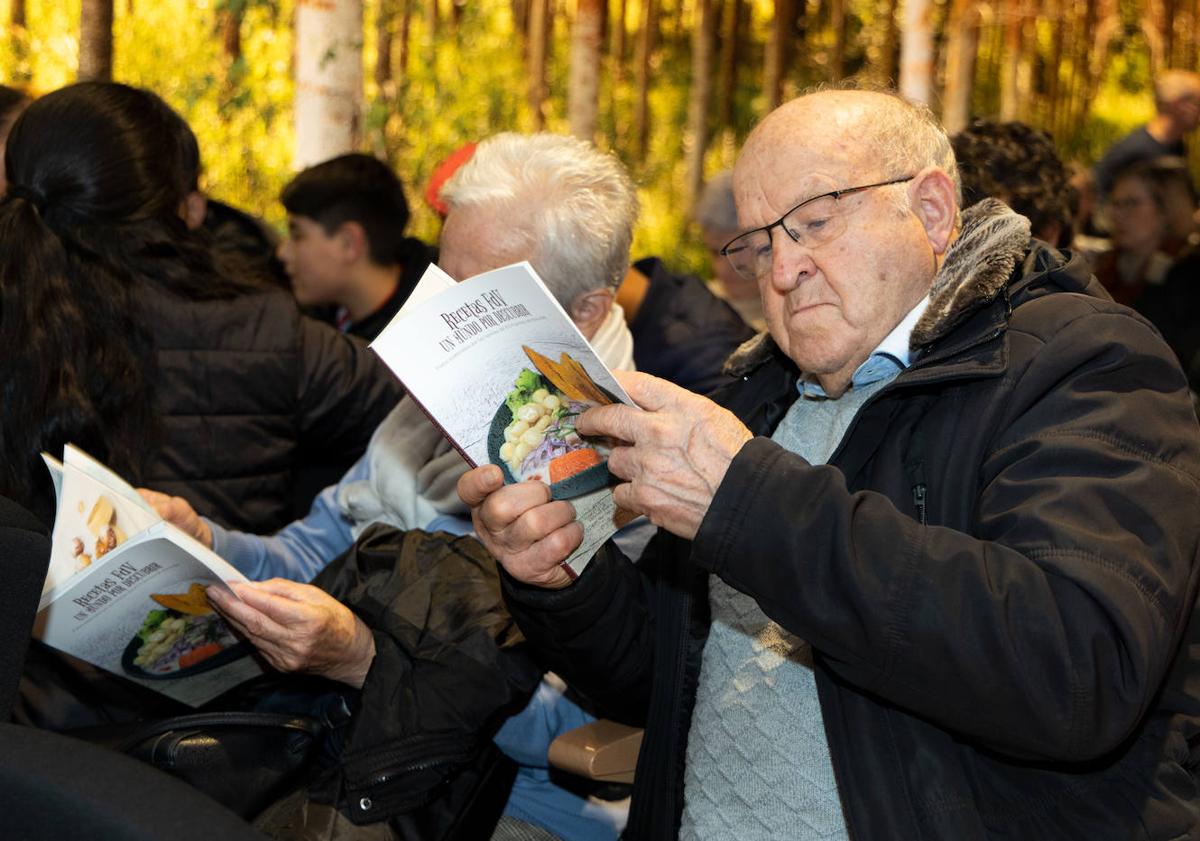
(96, 177)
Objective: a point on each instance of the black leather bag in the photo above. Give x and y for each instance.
(243, 760)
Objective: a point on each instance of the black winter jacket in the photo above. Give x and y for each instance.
(682, 332)
(996, 572)
(250, 391)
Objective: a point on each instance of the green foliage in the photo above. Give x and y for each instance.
(469, 80)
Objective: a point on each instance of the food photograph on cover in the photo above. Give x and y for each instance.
(180, 636)
(533, 435)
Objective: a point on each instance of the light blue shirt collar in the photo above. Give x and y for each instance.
(888, 359)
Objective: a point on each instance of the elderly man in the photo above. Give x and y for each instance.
(928, 571)
(568, 209)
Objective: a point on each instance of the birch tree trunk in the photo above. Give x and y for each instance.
(329, 79)
(95, 40)
(916, 51)
(704, 32)
(961, 47)
(583, 85)
(537, 63)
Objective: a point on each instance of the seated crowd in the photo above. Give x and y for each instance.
(912, 547)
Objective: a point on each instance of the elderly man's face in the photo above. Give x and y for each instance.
(829, 306)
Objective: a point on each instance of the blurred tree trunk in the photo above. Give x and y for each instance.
(19, 41)
(647, 40)
(456, 13)
(1059, 24)
(1154, 25)
(1169, 11)
(704, 36)
(537, 62)
(1010, 95)
(916, 51)
(95, 40)
(775, 59)
(405, 32)
(837, 22)
(1107, 22)
(231, 31)
(961, 48)
(891, 43)
(329, 79)
(385, 34)
(727, 74)
(616, 48)
(583, 85)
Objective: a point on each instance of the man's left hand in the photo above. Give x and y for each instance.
(299, 628)
(675, 452)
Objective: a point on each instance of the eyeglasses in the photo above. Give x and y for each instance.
(811, 223)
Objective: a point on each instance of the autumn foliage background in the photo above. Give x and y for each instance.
(458, 71)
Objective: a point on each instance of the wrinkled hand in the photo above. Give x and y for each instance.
(676, 451)
(523, 529)
(299, 628)
(179, 512)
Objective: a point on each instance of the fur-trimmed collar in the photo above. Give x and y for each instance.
(977, 266)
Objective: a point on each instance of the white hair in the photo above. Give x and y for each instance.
(574, 204)
(908, 138)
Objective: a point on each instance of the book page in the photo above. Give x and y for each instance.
(500, 367)
(141, 612)
(97, 511)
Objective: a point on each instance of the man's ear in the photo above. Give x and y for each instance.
(589, 310)
(936, 205)
(352, 241)
(195, 208)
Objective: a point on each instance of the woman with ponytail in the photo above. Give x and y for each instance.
(119, 332)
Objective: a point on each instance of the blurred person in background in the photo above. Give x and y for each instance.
(1139, 231)
(717, 217)
(1177, 113)
(1018, 165)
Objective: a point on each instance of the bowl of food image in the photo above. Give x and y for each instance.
(533, 436)
(182, 636)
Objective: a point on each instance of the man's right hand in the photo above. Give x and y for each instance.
(529, 534)
(179, 512)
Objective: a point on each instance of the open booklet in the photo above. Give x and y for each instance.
(125, 589)
(500, 368)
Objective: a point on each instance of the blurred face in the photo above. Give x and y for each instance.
(734, 286)
(1138, 223)
(316, 262)
(829, 306)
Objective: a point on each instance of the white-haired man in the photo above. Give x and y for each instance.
(569, 210)
(926, 572)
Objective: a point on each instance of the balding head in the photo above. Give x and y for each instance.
(1171, 86)
(869, 131)
(868, 186)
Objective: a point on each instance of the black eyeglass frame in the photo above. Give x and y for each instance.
(778, 223)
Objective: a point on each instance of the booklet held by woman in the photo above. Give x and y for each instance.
(500, 368)
(126, 590)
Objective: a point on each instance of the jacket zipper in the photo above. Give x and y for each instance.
(919, 500)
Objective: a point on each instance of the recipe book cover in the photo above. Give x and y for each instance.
(126, 591)
(499, 366)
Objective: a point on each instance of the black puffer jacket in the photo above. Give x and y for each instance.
(682, 332)
(250, 391)
(996, 573)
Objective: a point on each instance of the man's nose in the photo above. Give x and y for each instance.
(791, 262)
